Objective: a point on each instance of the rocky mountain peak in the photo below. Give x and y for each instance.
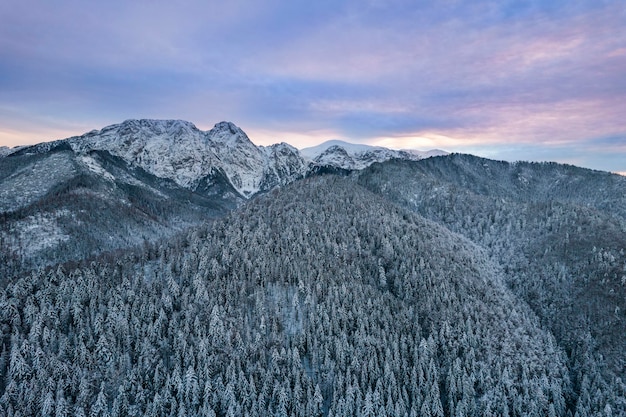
(227, 133)
(227, 126)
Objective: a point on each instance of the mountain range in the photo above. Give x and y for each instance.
(179, 151)
(151, 268)
(164, 175)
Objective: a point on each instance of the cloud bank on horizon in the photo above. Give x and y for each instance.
(530, 80)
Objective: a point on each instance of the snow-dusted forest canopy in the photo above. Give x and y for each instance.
(452, 286)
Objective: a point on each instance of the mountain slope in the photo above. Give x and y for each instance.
(177, 150)
(523, 181)
(62, 205)
(557, 231)
(316, 299)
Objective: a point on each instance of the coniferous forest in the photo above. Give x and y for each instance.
(445, 287)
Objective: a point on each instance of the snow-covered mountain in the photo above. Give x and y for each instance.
(285, 165)
(177, 150)
(252, 168)
(351, 156)
(171, 149)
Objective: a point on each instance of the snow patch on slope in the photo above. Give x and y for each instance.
(95, 167)
(41, 231)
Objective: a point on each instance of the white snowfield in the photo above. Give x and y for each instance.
(178, 150)
(348, 155)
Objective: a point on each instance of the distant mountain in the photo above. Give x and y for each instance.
(351, 156)
(177, 150)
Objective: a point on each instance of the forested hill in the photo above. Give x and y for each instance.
(557, 231)
(458, 175)
(320, 298)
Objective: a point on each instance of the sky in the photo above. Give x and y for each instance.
(531, 80)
